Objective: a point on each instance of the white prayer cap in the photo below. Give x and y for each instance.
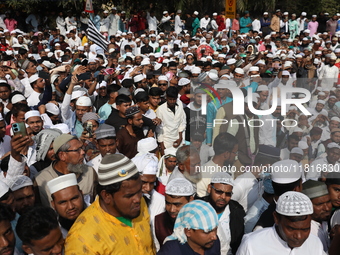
(57, 44)
(163, 78)
(294, 203)
(106, 11)
(321, 102)
(63, 127)
(213, 75)
(183, 82)
(32, 113)
(17, 98)
(221, 56)
(33, 78)
(303, 14)
(146, 61)
(52, 108)
(337, 50)
(333, 145)
(84, 101)
(50, 54)
(290, 40)
(146, 145)
(260, 62)
(101, 84)
(285, 73)
(288, 63)
(265, 13)
(231, 61)
(179, 187)
(18, 182)
(316, 61)
(262, 88)
(335, 119)
(62, 182)
(48, 64)
(293, 108)
(297, 150)
(222, 177)
(196, 13)
(307, 31)
(321, 93)
(138, 78)
(285, 13)
(3, 188)
(77, 93)
(303, 145)
(254, 69)
(146, 163)
(81, 48)
(165, 12)
(286, 171)
(314, 16)
(196, 70)
(204, 59)
(270, 55)
(215, 14)
(239, 70)
(137, 40)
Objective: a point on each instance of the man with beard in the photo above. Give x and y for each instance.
(178, 192)
(34, 121)
(166, 166)
(195, 231)
(188, 159)
(117, 222)
(129, 135)
(291, 232)
(230, 213)
(67, 200)
(322, 205)
(7, 237)
(40, 232)
(69, 154)
(225, 148)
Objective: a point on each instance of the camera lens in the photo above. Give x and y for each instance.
(15, 129)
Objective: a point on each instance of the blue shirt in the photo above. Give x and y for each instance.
(174, 247)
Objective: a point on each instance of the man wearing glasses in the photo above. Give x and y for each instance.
(230, 213)
(69, 154)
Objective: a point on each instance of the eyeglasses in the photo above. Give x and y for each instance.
(220, 192)
(77, 150)
(162, 84)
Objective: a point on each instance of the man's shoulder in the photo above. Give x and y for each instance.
(46, 174)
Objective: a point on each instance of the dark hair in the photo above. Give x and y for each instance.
(172, 196)
(293, 137)
(155, 91)
(3, 84)
(113, 188)
(141, 97)
(22, 51)
(293, 218)
(6, 213)
(279, 188)
(172, 92)
(4, 163)
(6, 196)
(19, 107)
(127, 83)
(120, 99)
(36, 223)
(224, 142)
(113, 88)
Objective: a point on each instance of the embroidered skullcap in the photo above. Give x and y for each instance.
(179, 187)
(294, 203)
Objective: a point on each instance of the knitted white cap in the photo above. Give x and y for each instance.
(294, 203)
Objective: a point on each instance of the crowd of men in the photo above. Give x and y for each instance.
(184, 136)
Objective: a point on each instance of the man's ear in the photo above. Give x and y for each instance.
(27, 249)
(187, 232)
(209, 188)
(53, 204)
(191, 198)
(106, 197)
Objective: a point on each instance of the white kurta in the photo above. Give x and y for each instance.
(247, 189)
(321, 231)
(33, 99)
(267, 242)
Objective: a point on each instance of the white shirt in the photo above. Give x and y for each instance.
(105, 24)
(320, 165)
(70, 22)
(157, 205)
(267, 132)
(74, 43)
(178, 24)
(95, 162)
(204, 22)
(256, 25)
(172, 124)
(61, 25)
(223, 231)
(321, 231)
(114, 20)
(247, 189)
(267, 242)
(328, 76)
(152, 22)
(33, 99)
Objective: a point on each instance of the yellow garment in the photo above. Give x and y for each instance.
(84, 40)
(97, 232)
